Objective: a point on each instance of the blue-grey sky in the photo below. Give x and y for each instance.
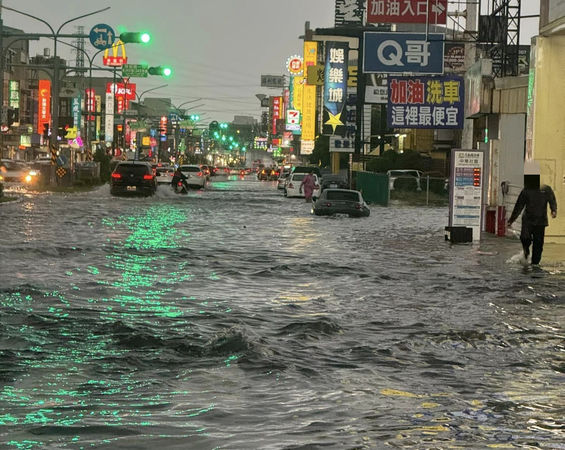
(218, 48)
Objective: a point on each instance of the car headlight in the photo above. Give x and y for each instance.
(33, 173)
(28, 178)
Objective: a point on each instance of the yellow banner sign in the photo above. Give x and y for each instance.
(309, 94)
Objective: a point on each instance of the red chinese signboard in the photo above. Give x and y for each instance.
(407, 11)
(277, 113)
(43, 104)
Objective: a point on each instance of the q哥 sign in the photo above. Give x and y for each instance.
(403, 52)
(425, 102)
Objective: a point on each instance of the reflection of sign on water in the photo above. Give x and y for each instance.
(466, 196)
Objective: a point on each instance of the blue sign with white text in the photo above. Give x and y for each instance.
(426, 102)
(403, 53)
(102, 36)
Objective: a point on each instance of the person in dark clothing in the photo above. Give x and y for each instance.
(535, 200)
(179, 176)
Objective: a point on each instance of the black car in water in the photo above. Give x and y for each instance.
(341, 201)
(133, 178)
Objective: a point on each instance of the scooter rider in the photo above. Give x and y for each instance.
(179, 176)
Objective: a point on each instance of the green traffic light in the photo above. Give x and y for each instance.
(160, 70)
(135, 37)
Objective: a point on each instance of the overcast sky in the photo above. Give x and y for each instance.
(218, 48)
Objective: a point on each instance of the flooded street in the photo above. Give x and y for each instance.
(233, 318)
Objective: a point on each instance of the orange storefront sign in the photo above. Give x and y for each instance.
(43, 104)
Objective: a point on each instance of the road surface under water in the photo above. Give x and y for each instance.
(233, 318)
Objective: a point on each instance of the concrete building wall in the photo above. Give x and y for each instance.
(549, 125)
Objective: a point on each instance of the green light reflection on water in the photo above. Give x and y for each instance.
(155, 231)
(25, 444)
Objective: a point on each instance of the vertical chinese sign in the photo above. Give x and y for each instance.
(276, 114)
(77, 112)
(466, 196)
(43, 105)
(425, 102)
(309, 101)
(335, 88)
(90, 104)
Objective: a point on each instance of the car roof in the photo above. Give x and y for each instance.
(133, 163)
(341, 190)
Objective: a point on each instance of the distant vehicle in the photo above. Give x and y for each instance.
(207, 170)
(404, 173)
(341, 201)
(13, 171)
(268, 174)
(222, 172)
(133, 177)
(292, 188)
(333, 181)
(164, 174)
(283, 178)
(196, 176)
(307, 169)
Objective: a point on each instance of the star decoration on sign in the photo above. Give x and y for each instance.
(334, 121)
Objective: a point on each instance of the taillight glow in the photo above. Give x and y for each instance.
(199, 174)
(117, 176)
(147, 177)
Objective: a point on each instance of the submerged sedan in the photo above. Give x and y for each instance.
(341, 201)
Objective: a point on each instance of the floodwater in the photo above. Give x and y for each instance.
(232, 318)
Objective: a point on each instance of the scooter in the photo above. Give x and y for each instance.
(180, 188)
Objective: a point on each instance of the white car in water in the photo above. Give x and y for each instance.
(164, 174)
(292, 188)
(196, 177)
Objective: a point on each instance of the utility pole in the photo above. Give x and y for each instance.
(471, 29)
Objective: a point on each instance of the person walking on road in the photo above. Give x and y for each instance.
(535, 200)
(308, 185)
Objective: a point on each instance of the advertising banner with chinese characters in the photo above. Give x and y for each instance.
(349, 13)
(276, 112)
(403, 52)
(90, 103)
(77, 112)
(433, 12)
(14, 94)
(335, 88)
(466, 195)
(309, 96)
(109, 123)
(43, 104)
(425, 102)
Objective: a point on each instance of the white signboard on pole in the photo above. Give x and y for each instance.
(109, 124)
(466, 193)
